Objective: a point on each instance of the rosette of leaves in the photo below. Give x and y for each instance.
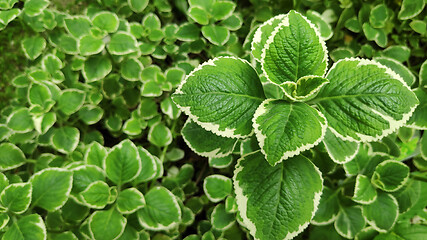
(357, 100)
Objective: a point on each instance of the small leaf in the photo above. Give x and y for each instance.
(65, 139)
(276, 202)
(324, 27)
(235, 85)
(131, 69)
(199, 15)
(96, 68)
(20, 121)
(364, 192)
(33, 46)
(51, 63)
(188, 32)
(340, 151)
(398, 68)
(138, 5)
(399, 52)
(306, 88)
(4, 220)
(148, 166)
(151, 89)
(90, 114)
(107, 225)
(217, 187)
(350, 221)
(12, 157)
(96, 195)
(16, 197)
(217, 35)
(220, 219)
(160, 135)
(285, 129)
(84, 175)
(51, 188)
(71, 100)
(107, 21)
(382, 213)
(418, 119)
(122, 43)
(161, 212)
(263, 33)
(123, 163)
(30, 227)
(222, 10)
(90, 45)
(410, 9)
(77, 26)
(379, 15)
(35, 7)
(95, 154)
(328, 208)
(130, 200)
(169, 108)
(390, 175)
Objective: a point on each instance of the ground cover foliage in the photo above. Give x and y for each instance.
(213, 119)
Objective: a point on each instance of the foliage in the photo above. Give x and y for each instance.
(304, 137)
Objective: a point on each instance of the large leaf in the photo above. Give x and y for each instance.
(285, 129)
(277, 202)
(221, 95)
(364, 101)
(294, 50)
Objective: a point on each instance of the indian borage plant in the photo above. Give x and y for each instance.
(277, 187)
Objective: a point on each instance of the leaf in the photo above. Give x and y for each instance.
(328, 208)
(205, 143)
(77, 26)
(95, 154)
(84, 175)
(131, 69)
(217, 35)
(408, 195)
(399, 52)
(224, 104)
(285, 129)
(96, 195)
(4, 220)
(7, 4)
(123, 163)
(20, 121)
(350, 221)
(306, 88)
(161, 212)
(217, 187)
(222, 10)
(12, 157)
(106, 225)
(410, 9)
(90, 114)
(276, 202)
(137, 5)
(148, 166)
(71, 100)
(398, 68)
(65, 139)
(8, 16)
(90, 45)
(418, 119)
(130, 200)
(364, 192)
(340, 151)
(16, 197)
(122, 43)
(151, 21)
(322, 25)
(382, 213)
(169, 108)
(364, 101)
(35, 7)
(51, 188)
(107, 21)
(188, 32)
(294, 50)
(390, 175)
(30, 227)
(221, 162)
(263, 33)
(33, 46)
(160, 135)
(51, 63)
(233, 23)
(96, 68)
(151, 89)
(220, 219)
(379, 15)
(199, 15)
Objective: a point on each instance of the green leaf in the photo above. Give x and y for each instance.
(221, 162)
(95, 154)
(35, 7)
(263, 33)
(340, 151)
(8, 16)
(324, 27)
(188, 32)
(4, 220)
(130, 200)
(306, 88)
(131, 69)
(364, 192)
(65, 139)
(226, 103)
(71, 100)
(399, 52)
(390, 175)
(16, 197)
(408, 195)
(107, 21)
(51, 188)
(51, 63)
(233, 22)
(379, 16)
(7, 4)
(271, 122)
(328, 208)
(160, 135)
(20, 121)
(148, 166)
(419, 26)
(205, 143)
(373, 102)
(90, 45)
(199, 15)
(77, 26)
(33, 46)
(84, 175)
(12, 157)
(220, 219)
(107, 225)
(90, 114)
(68, 44)
(96, 195)
(410, 9)
(217, 187)
(222, 9)
(30, 227)
(418, 119)
(382, 214)
(398, 68)
(294, 50)
(123, 163)
(276, 202)
(151, 89)
(151, 21)
(122, 43)
(96, 68)
(161, 212)
(169, 108)
(217, 35)
(350, 221)
(138, 5)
